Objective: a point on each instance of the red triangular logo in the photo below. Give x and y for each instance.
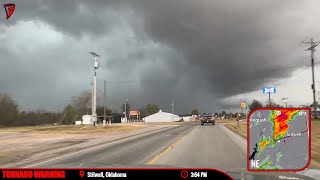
(9, 9)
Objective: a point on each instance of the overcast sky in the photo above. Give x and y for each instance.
(204, 54)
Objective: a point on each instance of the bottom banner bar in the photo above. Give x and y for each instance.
(113, 174)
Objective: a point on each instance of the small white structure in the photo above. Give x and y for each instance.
(162, 117)
(87, 119)
(187, 118)
(78, 122)
(123, 120)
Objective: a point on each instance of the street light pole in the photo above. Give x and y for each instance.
(94, 101)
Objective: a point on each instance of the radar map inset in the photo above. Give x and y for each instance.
(279, 139)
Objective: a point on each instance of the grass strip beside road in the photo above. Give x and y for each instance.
(315, 137)
(72, 129)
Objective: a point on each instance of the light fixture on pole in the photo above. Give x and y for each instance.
(94, 100)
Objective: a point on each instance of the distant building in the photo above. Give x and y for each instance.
(318, 112)
(87, 119)
(162, 117)
(134, 116)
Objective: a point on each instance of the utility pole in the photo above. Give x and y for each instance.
(94, 110)
(92, 98)
(172, 107)
(172, 110)
(313, 87)
(125, 110)
(104, 103)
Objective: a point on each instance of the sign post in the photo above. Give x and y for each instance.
(285, 100)
(244, 106)
(269, 90)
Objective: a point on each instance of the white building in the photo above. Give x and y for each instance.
(162, 117)
(87, 119)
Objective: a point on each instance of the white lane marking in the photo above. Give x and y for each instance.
(234, 134)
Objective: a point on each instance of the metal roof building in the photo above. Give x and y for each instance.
(162, 117)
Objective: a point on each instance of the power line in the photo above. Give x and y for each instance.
(118, 82)
(286, 80)
(301, 71)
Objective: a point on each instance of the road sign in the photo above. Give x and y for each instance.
(268, 90)
(133, 113)
(243, 104)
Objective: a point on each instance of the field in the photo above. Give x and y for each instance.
(32, 142)
(72, 129)
(315, 137)
(18, 143)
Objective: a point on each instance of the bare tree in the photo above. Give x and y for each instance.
(8, 110)
(273, 104)
(82, 103)
(255, 104)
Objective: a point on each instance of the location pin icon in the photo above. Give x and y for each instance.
(81, 173)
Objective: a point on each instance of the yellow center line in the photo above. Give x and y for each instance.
(157, 157)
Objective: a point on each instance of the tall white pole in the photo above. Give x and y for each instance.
(125, 111)
(95, 93)
(94, 100)
(104, 102)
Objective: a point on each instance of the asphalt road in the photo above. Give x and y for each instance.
(189, 146)
(208, 146)
(128, 153)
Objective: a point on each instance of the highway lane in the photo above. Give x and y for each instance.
(129, 153)
(207, 146)
(189, 146)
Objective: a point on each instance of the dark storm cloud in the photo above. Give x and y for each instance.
(236, 47)
(194, 51)
(233, 43)
(73, 17)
